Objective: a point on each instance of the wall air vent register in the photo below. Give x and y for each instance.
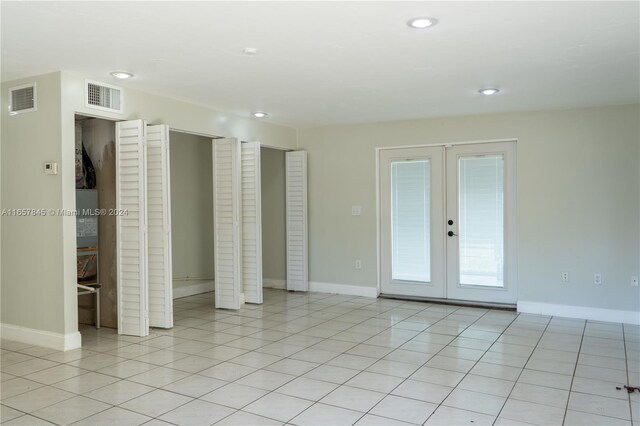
(103, 96)
(22, 99)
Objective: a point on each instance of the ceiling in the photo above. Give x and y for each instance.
(325, 63)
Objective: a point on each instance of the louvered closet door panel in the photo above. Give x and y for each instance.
(159, 227)
(131, 228)
(226, 223)
(296, 197)
(251, 223)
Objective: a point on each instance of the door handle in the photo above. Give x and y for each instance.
(451, 234)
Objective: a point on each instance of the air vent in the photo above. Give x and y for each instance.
(103, 96)
(22, 99)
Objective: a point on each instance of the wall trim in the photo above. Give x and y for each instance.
(581, 312)
(346, 289)
(425, 145)
(274, 283)
(47, 339)
(190, 289)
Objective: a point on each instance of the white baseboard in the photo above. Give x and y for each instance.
(346, 289)
(581, 312)
(47, 339)
(274, 283)
(186, 288)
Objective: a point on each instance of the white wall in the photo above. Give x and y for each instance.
(578, 198)
(274, 264)
(35, 301)
(191, 207)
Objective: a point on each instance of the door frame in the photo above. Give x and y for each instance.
(379, 207)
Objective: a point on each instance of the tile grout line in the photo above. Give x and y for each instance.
(626, 363)
(523, 368)
(573, 376)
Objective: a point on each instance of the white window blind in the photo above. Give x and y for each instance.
(410, 220)
(481, 216)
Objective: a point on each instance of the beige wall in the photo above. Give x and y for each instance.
(274, 265)
(191, 206)
(33, 291)
(578, 198)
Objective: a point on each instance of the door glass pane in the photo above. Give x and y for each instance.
(481, 216)
(410, 221)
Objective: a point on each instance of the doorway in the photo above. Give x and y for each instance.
(447, 222)
(191, 214)
(274, 234)
(96, 234)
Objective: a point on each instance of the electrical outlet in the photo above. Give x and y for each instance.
(358, 264)
(634, 281)
(356, 210)
(597, 279)
(564, 277)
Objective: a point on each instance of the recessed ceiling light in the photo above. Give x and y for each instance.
(250, 51)
(488, 91)
(422, 22)
(122, 75)
(260, 114)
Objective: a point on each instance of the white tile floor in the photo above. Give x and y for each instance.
(319, 359)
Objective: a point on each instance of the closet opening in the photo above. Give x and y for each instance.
(191, 169)
(274, 232)
(95, 182)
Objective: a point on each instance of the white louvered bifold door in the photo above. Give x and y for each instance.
(251, 223)
(159, 227)
(226, 223)
(296, 199)
(131, 251)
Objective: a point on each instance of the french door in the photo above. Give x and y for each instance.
(447, 218)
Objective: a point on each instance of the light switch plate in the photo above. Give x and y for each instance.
(356, 210)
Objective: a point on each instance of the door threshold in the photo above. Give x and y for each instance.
(456, 302)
